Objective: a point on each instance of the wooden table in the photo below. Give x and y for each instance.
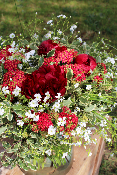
(82, 164)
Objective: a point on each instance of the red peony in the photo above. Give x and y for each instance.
(46, 78)
(46, 46)
(87, 62)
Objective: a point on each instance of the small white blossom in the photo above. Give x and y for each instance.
(116, 88)
(36, 13)
(58, 96)
(33, 103)
(73, 133)
(20, 122)
(50, 21)
(47, 95)
(84, 43)
(12, 35)
(112, 154)
(61, 15)
(5, 90)
(80, 39)
(54, 38)
(78, 144)
(82, 124)
(20, 66)
(99, 94)
(78, 130)
(99, 32)
(38, 97)
(35, 36)
(29, 114)
(90, 154)
(103, 41)
(16, 91)
(0, 37)
(1, 111)
(46, 104)
(103, 123)
(32, 52)
(48, 35)
(91, 71)
(64, 155)
(76, 85)
(36, 118)
(88, 87)
(56, 106)
(73, 27)
(13, 44)
(111, 60)
(48, 152)
(108, 139)
(41, 109)
(61, 121)
(51, 130)
(84, 146)
(60, 32)
(78, 109)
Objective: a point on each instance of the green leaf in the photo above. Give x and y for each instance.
(98, 59)
(76, 42)
(30, 70)
(25, 168)
(18, 112)
(41, 60)
(2, 129)
(33, 47)
(17, 146)
(6, 103)
(83, 100)
(9, 116)
(67, 102)
(90, 108)
(18, 107)
(69, 73)
(25, 42)
(2, 153)
(51, 53)
(27, 159)
(98, 116)
(42, 165)
(33, 135)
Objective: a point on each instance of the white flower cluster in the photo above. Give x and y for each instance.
(111, 60)
(72, 28)
(28, 55)
(1, 111)
(16, 91)
(61, 16)
(5, 90)
(48, 35)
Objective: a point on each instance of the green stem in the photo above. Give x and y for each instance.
(19, 18)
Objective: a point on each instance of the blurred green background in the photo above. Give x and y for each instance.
(92, 16)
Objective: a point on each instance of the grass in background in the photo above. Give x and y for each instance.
(92, 16)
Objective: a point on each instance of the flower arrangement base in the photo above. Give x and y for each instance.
(81, 165)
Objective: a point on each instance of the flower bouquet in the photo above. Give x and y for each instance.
(52, 91)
